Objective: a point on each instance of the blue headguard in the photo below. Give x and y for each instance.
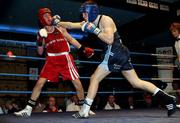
(92, 10)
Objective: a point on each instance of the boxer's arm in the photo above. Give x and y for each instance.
(69, 38)
(40, 47)
(56, 21)
(89, 52)
(42, 34)
(107, 32)
(71, 25)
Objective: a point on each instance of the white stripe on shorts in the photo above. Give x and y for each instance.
(72, 70)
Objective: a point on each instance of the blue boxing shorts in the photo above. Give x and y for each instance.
(117, 59)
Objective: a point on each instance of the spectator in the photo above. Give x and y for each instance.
(4, 109)
(148, 99)
(72, 104)
(11, 107)
(52, 106)
(96, 104)
(175, 31)
(1, 110)
(111, 103)
(39, 107)
(131, 102)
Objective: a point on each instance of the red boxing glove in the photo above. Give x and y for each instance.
(89, 52)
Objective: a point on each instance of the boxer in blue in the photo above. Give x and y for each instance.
(116, 58)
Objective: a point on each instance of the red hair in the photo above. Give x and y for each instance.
(175, 26)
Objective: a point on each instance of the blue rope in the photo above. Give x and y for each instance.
(29, 92)
(21, 75)
(151, 54)
(77, 61)
(108, 78)
(67, 92)
(22, 57)
(28, 43)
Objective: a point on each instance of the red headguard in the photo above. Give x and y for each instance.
(41, 12)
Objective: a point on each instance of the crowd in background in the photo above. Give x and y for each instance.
(105, 102)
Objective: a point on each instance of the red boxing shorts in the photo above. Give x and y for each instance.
(59, 65)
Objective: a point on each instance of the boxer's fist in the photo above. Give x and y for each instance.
(43, 33)
(89, 52)
(90, 27)
(56, 20)
(79, 102)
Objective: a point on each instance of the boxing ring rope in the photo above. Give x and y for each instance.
(152, 54)
(80, 61)
(109, 78)
(26, 43)
(70, 92)
(67, 92)
(43, 92)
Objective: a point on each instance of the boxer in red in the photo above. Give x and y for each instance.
(58, 61)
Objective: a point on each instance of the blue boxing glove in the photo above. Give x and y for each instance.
(90, 27)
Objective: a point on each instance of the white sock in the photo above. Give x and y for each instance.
(155, 92)
(89, 101)
(86, 106)
(29, 108)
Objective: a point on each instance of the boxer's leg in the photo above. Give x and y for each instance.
(136, 82)
(99, 74)
(32, 102)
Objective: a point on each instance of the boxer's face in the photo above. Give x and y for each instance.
(85, 16)
(48, 18)
(175, 33)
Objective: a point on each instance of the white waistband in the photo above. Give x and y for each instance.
(57, 54)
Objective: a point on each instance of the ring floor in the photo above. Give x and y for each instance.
(121, 116)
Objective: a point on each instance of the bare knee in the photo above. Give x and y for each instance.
(94, 79)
